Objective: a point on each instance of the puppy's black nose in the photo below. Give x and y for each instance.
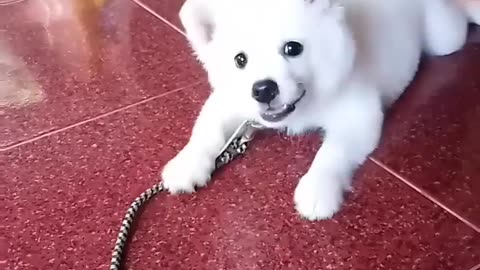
(265, 91)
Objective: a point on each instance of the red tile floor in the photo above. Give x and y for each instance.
(97, 95)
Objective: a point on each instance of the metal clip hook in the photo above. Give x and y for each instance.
(237, 143)
(245, 133)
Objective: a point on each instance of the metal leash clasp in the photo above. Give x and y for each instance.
(237, 143)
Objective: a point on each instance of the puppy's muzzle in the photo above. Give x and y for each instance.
(278, 114)
(265, 91)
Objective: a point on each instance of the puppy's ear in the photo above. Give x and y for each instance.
(325, 3)
(197, 19)
(332, 7)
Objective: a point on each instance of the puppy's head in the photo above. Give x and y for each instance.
(271, 56)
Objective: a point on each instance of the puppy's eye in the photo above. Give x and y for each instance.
(241, 60)
(292, 48)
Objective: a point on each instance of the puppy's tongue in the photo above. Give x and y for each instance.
(275, 115)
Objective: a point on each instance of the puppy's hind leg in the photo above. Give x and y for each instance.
(445, 26)
(194, 164)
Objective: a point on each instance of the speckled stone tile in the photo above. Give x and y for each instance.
(65, 195)
(432, 135)
(65, 61)
(167, 9)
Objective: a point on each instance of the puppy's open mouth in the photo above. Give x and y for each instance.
(278, 114)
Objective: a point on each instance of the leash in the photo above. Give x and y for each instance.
(235, 146)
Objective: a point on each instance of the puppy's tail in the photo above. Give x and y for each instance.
(472, 10)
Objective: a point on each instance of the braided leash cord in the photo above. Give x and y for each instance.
(235, 147)
(127, 224)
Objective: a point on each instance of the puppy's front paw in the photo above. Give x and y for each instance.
(187, 171)
(318, 196)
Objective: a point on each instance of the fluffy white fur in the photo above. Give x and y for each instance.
(359, 56)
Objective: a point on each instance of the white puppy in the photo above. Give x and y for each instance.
(308, 64)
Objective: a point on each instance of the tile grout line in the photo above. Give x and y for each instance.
(158, 16)
(476, 267)
(103, 115)
(426, 195)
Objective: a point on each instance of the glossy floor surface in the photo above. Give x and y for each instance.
(97, 95)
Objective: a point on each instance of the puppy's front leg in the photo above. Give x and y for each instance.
(352, 134)
(194, 164)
